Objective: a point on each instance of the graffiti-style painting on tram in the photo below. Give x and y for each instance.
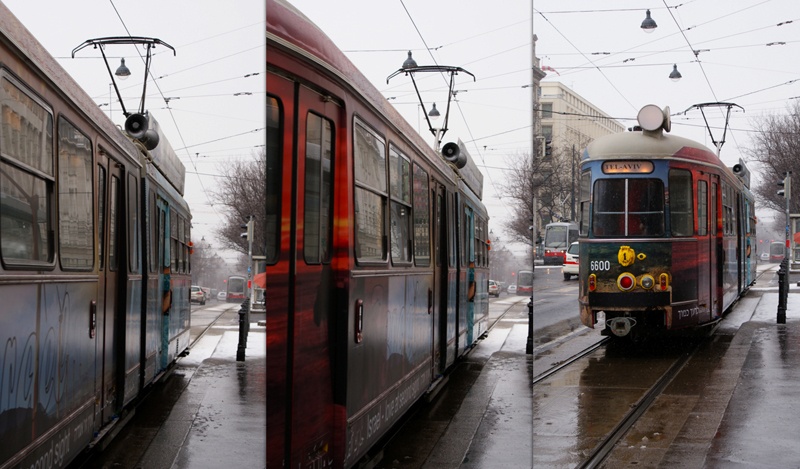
(666, 232)
(377, 254)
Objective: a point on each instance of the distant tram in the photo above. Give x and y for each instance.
(777, 251)
(237, 289)
(377, 255)
(557, 238)
(667, 231)
(524, 282)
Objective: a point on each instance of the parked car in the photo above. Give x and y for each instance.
(571, 262)
(503, 286)
(512, 289)
(197, 296)
(222, 296)
(765, 256)
(206, 292)
(494, 290)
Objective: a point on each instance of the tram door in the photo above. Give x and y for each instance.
(164, 288)
(303, 316)
(714, 248)
(705, 248)
(110, 210)
(439, 294)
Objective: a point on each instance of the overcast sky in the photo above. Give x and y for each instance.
(217, 44)
(744, 53)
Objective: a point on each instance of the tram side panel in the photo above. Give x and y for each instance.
(280, 141)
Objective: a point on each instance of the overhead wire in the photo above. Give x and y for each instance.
(469, 131)
(172, 116)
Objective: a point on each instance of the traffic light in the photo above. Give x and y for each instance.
(786, 192)
(547, 149)
(249, 227)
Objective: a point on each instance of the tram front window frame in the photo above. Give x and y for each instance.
(628, 207)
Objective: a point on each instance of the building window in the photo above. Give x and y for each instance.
(547, 110)
(547, 132)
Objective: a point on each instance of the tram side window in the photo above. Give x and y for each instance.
(152, 233)
(702, 208)
(370, 194)
(181, 252)
(422, 224)
(713, 209)
(133, 223)
(681, 212)
(173, 248)
(585, 196)
(400, 217)
(318, 226)
(101, 212)
(112, 223)
(274, 145)
(186, 239)
(26, 177)
(75, 220)
(451, 230)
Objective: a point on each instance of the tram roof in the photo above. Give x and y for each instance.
(641, 144)
(290, 28)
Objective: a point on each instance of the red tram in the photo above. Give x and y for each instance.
(375, 246)
(94, 261)
(666, 231)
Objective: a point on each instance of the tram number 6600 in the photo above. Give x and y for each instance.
(600, 265)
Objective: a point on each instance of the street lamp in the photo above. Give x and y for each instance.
(122, 72)
(675, 75)
(649, 25)
(434, 116)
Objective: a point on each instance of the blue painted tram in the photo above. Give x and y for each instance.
(667, 231)
(94, 261)
(376, 254)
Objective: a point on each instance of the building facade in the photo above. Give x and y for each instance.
(567, 118)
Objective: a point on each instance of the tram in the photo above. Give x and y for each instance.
(94, 261)
(524, 282)
(237, 289)
(377, 255)
(667, 232)
(777, 251)
(557, 238)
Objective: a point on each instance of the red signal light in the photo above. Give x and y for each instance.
(626, 282)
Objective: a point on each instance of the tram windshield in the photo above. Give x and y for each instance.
(525, 279)
(556, 237)
(628, 207)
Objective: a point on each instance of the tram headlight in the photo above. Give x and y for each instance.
(626, 282)
(647, 282)
(663, 281)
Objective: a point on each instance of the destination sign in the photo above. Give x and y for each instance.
(643, 167)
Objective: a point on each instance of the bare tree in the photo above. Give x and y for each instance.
(776, 144)
(550, 178)
(242, 190)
